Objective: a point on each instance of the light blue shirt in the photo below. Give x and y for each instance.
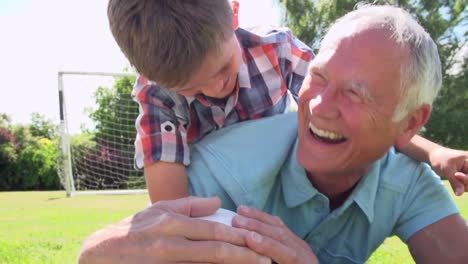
(254, 163)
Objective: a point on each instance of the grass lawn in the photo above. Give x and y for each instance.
(46, 227)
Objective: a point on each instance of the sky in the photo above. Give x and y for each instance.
(40, 38)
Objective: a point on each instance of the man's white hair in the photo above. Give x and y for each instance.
(421, 76)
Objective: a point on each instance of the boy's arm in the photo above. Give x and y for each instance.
(161, 143)
(166, 181)
(449, 163)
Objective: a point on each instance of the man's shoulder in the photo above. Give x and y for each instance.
(399, 173)
(245, 135)
(244, 159)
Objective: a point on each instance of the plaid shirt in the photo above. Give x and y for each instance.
(272, 70)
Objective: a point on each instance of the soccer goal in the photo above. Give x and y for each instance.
(97, 131)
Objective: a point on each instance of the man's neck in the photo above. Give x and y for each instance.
(337, 187)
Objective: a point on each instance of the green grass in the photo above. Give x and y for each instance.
(46, 227)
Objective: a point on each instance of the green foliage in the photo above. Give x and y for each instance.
(5, 120)
(114, 113)
(36, 166)
(449, 122)
(8, 157)
(309, 20)
(42, 127)
(109, 148)
(28, 158)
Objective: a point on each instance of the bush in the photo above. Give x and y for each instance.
(8, 157)
(37, 166)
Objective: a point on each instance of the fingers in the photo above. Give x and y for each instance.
(190, 206)
(260, 215)
(179, 249)
(462, 179)
(464, 168)
(267, 225)
(274, 232)
(457, 186)
(170, 224)
(272, 238)
(278, 252)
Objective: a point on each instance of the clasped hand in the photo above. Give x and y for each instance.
(166, 232)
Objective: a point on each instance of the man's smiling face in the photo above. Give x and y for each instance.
(347, 101)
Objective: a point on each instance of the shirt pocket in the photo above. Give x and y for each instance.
(331, 256)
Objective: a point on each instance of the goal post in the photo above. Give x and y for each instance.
(97, 158)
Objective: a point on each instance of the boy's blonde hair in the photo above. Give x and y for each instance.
(168, 40)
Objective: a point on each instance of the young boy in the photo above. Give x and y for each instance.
(199, 75)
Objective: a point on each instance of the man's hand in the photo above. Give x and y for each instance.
(272, 238)
(166, 233)
(453, 165)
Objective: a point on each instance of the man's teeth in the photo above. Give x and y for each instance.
(325, 134)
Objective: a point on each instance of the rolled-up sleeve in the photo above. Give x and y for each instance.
(161, 133)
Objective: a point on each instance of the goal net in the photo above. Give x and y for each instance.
(97, 117)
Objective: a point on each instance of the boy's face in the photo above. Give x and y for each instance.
(218, 73)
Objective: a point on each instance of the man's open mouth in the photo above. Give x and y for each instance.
(326, 136)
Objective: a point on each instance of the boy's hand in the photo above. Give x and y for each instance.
(272, 238)
(453, 165)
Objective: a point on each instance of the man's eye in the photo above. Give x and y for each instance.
(318, 78)
(354, 95)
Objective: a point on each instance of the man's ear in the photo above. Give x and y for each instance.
(412, 124)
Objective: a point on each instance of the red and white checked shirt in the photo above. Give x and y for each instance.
(271, 73)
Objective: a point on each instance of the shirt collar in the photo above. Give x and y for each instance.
(298, 189)
(296, 186)
(365, 192)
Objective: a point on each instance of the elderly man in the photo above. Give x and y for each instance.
(336, 182)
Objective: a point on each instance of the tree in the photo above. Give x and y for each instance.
(42, 127)
(37, 166)
(8, 157)
(5, 120)
(27, 161)
(116, 112)
(309, 20)
(449, 121)
(108, 148)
